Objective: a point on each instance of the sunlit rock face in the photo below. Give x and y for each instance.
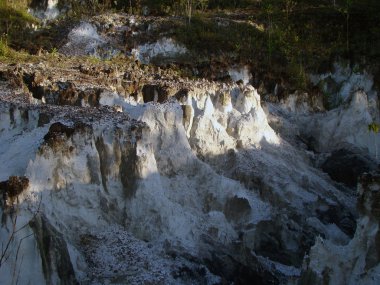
(70, 155)
(345, 126)
(302, 103)
(131, 174)
(186, 175)
(240, 74)
(106, 36)
(165, 48)
(358, 261)
(85, 40)
(342, 141)
(339, 84)
(44, 9)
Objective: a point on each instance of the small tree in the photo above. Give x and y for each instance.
(202, 5)
(189, 8)
(346, 10)
(269, 10)
(289, 6)
(9, 248)
(190, 5)
(9, 207)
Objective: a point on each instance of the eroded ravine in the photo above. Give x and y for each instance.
(207, 188)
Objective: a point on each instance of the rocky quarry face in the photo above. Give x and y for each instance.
(358, 261)
(133, 175)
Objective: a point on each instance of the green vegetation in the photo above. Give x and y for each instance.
(288, 38)
(284, 39)
(15, 26)
(208, 36)
(374, 127)
(14, 18)
(4, 49)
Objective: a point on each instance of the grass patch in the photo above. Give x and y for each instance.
(7, 54)
(288, 44)
(207, 36)
(14, 16)
(17, 27)
(4, 49)
(15, 24)
(281, 42)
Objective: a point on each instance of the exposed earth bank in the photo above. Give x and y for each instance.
(119, 171)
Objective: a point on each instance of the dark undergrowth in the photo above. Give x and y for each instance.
(284, 39)
(288, 44)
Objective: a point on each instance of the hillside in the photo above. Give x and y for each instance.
(189, 142)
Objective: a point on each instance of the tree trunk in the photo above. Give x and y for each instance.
(189, 9)
(375, 134)
(347, 31)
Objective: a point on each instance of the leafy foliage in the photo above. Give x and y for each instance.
(374, 127)
(288, 38)
(4, 49)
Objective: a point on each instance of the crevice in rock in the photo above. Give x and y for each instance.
(346, 166)
(32, 82)
(128, 173)
(56, 262)
(237, 265)
(157, 93)
(103, 160)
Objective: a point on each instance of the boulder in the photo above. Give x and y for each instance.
(13, 187)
